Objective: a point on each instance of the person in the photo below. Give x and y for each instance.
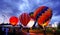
(54, 31)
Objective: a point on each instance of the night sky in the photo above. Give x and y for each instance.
(10, 8)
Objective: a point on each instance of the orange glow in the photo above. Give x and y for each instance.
(46, 23)
(13, 20)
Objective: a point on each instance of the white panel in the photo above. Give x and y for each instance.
(30, 24)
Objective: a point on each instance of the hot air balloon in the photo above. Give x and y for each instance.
(31, 15)
(26, 20)
(43, 15)
(13, 20)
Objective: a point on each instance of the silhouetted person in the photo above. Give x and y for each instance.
(1, 32)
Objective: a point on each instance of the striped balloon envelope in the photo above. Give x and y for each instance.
(43, 15)
(26, 20)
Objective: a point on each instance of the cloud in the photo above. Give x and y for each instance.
(16, 7)
(55, 19)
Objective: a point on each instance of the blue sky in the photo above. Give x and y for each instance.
(10, 8)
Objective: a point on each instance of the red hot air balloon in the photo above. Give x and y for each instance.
(24, 18)
(43, 15)
(13, 20)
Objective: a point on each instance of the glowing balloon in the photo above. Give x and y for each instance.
(13, 20)
(24, 18)
(43, 15)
